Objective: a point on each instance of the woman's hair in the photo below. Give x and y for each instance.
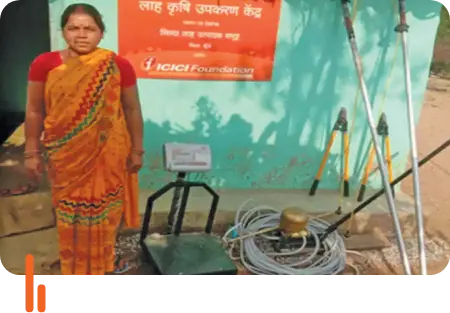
(82, 8)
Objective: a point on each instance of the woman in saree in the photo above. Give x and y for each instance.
(84, 124)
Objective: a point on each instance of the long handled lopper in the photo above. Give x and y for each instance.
(383, 133)
(341, 126)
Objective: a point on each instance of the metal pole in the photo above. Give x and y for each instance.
(402, 28)
(175, 205)
(373, 130)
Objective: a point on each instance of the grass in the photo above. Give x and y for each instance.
(444, 26)
(441, 58)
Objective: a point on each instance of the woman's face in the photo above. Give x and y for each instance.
(81, 33)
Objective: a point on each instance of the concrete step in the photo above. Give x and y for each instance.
(25, 213)
(33, 211)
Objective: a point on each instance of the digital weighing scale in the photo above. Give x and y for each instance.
(177, 253)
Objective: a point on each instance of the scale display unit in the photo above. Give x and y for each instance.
(177, 253)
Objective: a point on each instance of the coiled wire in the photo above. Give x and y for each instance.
(258, 259)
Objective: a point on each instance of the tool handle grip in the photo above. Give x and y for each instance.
(314, 186)
(362, 191)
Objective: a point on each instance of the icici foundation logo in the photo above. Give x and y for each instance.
(148, 63)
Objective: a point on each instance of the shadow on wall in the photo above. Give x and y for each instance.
(307, 78)
(234, 152)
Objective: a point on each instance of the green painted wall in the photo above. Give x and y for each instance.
(272, 135)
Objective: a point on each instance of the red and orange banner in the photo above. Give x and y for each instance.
(200, 39)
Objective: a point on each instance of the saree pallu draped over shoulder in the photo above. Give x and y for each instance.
(87, 143)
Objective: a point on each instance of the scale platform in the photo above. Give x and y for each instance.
(177, 253)
(188, 254)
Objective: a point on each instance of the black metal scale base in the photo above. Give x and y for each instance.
(185, 253)
(188, 254)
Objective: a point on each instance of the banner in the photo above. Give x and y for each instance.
(200, 39)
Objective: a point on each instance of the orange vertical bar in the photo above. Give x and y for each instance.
(29, 283)
(368, 166)
(346, 155)
(388, 158)
(323, 163)
(41, 298)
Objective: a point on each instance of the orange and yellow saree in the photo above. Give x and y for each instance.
(87, 144)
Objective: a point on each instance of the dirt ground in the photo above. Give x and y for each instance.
(433, 130)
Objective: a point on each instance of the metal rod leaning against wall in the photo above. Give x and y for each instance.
(402, 28)
(368, 108)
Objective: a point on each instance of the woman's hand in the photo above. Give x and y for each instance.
(135, 162)
(35, 167)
